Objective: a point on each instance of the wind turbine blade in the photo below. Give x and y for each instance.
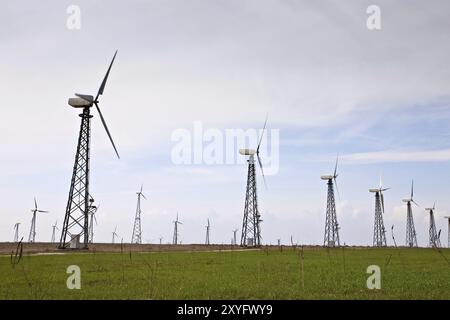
(382, 201)
(337, 189)
(106, 128)
(42, 211)
(95, 219)
(262, 134)
(35, 203)
(262, 170)
(414, 203)
(336, 166)
(412, 190)
(143, 196)
(142, 186)
(102, 86)
(434, 205)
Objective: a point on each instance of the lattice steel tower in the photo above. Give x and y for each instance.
(434, 239)
(251, 223)
(251, 235)
(137, 233)
(331, 235)
(411, 238)
(379, 231)
(76, 219)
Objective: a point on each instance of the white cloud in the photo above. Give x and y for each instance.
(397, 156)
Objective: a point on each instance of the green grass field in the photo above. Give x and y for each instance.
(265, 274)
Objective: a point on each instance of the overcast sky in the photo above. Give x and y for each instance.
(381, 98)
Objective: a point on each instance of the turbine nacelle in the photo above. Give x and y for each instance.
(327, 177)
(81, 101)
(407, 200)
(374, 190)
(247, 152)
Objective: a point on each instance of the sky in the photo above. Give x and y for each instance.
(329, 84)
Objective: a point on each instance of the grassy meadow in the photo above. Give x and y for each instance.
(269, 273)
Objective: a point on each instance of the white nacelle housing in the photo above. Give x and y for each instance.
(80, 103)
(247, 152)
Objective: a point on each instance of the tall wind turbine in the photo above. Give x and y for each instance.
(379, 232)
(54, 227)
(434, 241)
(448, 230)
(16, 232)
(76, 219)
(114, 235)
(331, 236)
(32, 236)
(411, 237)
(251, 231)
(208, 226)
(175, 230)
(137, 233)
(92, 218)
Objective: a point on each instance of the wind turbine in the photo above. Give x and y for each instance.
(76, 220)
(54, 227)
(234, 236)
(393, 237)
(331, 236)
(208, 226)
(175, 230)
(434, 241)
(411, 238)
(448, 230)
(137, 233)
(92, 218)
(379, 232)
(251, 231)
(32, 235)
(16, 232)
(114, 235)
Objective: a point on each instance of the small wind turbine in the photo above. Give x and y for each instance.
(448, 230)
(331, 236)
(411, 238)
(379, 232)
(16, 232)
(393, 238)
(114, 235)
(32, 235)
(434, 241)
(92, 218)
(136, 236)
(54, 227)
(234, 236)
(208, 226)
(175, 230)
(160, 240)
